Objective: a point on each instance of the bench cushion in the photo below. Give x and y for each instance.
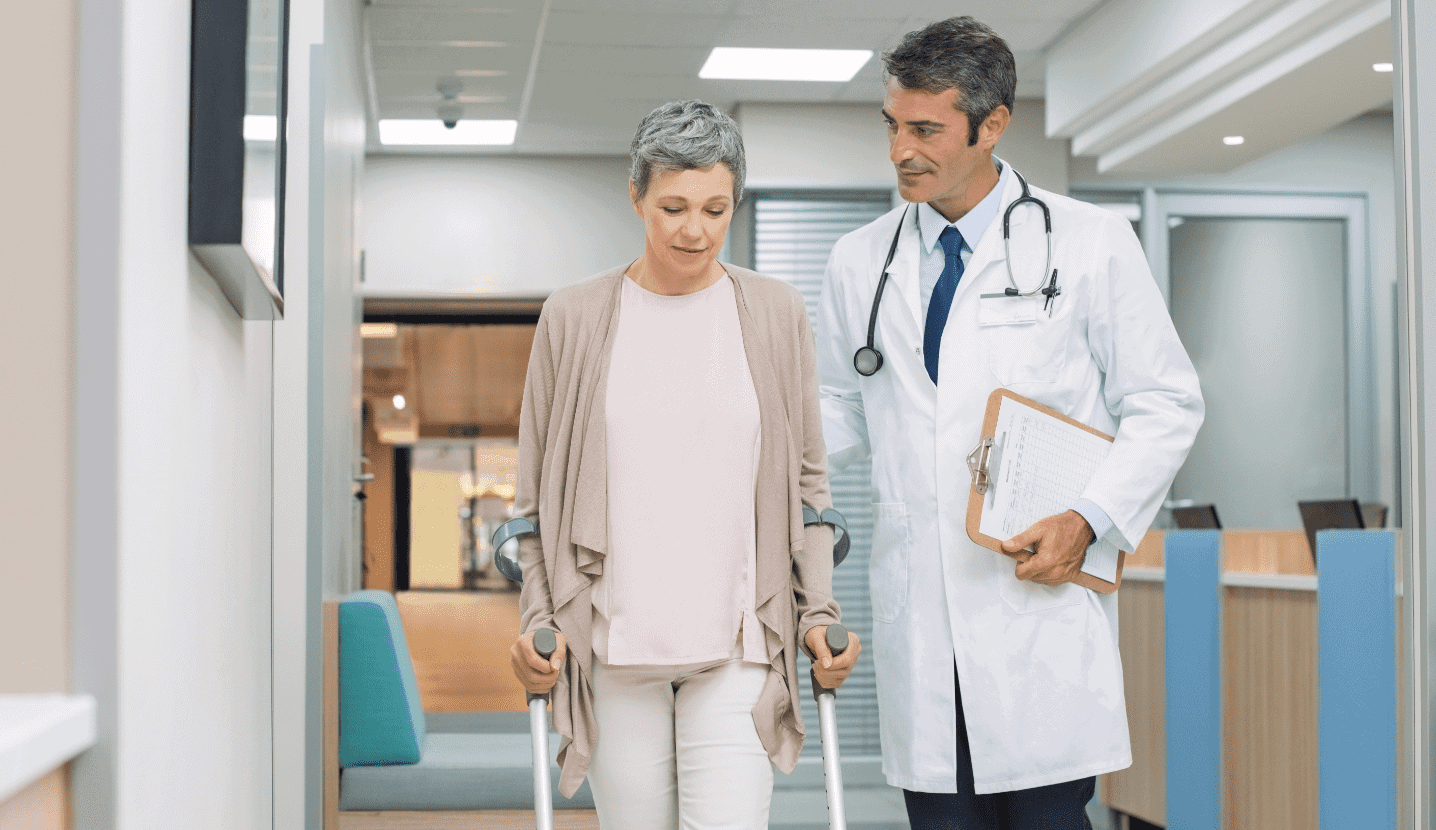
(381, 720)
(459, 771)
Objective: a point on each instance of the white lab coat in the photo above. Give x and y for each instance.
(1040, 671)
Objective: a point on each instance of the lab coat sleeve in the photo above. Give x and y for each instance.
(813, 565)
(1149, 384)
(845, 426)
(535, 600)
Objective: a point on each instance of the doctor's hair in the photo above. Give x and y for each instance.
(686, 135)
(958, 53)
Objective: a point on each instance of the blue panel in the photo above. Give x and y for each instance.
(1194, 680)
(381, 720)
(1356, 677)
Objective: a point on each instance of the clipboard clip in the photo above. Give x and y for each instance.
(977, 465)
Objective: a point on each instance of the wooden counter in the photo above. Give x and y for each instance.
(1268, 660)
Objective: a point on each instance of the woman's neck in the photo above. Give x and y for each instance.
(666, 282)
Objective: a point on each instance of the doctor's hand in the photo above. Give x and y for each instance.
(536, 673)
(1061, 547)
(831, 671)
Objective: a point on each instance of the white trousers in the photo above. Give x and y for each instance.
(677, 749)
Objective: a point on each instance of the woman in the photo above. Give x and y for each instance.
(669, 438)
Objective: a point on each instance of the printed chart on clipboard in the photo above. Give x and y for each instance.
(1038, 466)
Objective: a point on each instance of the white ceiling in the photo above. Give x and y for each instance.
(578, 75)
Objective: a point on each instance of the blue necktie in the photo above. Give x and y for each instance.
(941, 301)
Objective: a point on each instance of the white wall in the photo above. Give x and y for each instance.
(503, 226)
(315, 452)
(193, 579)
(1355, 157)
(845, 146)
(526, 226)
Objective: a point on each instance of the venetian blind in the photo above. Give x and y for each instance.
(793, 233)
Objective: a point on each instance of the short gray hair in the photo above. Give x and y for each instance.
(958, 53)
(686, 135)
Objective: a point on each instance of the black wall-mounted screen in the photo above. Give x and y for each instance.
(238, 109)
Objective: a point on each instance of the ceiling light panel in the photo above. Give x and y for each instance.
(742, 64)
(394, 132)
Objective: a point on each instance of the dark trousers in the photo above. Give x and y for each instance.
(1053, 807)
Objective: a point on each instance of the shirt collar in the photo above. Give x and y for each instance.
(973, 224)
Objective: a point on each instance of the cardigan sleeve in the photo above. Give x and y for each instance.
(535, 600)
(813, 565)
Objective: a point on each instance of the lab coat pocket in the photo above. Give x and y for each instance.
(1023, 343)
(1025, 597)
(887, 569)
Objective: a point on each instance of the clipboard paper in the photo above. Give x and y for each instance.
(1034, 462)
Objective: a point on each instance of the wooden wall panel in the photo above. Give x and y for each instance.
(378, 513)
(1269, 709)
(1267, 552)
(1140, 790)
(42, 805)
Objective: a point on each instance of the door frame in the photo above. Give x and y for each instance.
(1363, 458)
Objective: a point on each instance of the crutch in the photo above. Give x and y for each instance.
(828, 727)
(545, 643)
(837, 637)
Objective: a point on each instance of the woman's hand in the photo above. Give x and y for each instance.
(831, 671)
(531, 668)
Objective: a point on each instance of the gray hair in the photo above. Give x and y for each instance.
(686, 135)
(963, 54)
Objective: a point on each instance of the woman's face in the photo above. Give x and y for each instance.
(685, 219)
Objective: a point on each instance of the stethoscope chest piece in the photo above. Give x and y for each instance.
(868, 361)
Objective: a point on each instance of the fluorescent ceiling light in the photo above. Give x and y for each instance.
(260, 127)
(784, 64)
(373, 330)
(1233, 140)
(1382, 67)
(430, 131)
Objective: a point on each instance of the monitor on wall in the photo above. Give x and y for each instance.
(238, 77)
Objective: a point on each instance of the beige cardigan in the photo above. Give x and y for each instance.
(563, 487)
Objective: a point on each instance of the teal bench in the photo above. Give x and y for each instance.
(394, 756)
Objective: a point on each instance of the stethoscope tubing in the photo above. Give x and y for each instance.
(867, 360)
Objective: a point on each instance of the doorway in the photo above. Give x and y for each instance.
(443, 385)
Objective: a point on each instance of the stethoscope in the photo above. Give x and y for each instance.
(868, 360)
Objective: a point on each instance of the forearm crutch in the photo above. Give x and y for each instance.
(837, 638)
(545, 643)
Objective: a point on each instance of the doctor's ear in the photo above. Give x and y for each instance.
(993, 126)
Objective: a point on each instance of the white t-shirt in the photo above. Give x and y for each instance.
(683, 439)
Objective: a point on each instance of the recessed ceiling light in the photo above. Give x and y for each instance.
(1233, 140)
(784, 64)
(399, 402)
(260, 127)
(1382, 67)
(480, 73)
(429, 131)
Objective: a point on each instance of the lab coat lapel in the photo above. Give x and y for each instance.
(903, 272)
(989, 250)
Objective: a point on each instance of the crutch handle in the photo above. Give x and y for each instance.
(545, 643)
(837, 639)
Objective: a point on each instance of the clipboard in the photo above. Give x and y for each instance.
(1044, 454)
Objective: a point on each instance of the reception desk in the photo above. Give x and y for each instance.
(1222, 639)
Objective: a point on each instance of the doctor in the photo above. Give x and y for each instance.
(999, 685)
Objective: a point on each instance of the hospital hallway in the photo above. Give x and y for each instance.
(274, 271)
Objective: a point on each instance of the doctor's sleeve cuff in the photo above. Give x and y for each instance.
(1096, 517)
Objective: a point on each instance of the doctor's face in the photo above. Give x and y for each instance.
(685, 217)
(927, 140)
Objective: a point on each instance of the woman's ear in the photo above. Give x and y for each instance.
(633, 197)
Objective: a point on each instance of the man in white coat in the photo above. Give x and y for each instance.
(999, 685)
